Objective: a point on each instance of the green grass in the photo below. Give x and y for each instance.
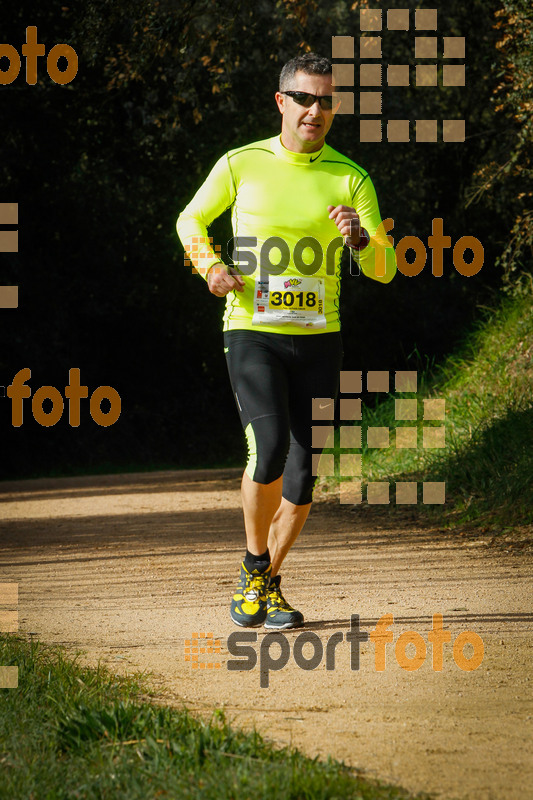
(72, 732)
(487, 463)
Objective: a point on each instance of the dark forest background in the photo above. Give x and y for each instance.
(102, 166)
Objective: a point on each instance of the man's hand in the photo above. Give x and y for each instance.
(222, 279)
(347, 221)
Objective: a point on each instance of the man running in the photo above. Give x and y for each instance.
(291, 195)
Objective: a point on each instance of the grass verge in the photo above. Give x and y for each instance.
(487, 460)
(68, 731)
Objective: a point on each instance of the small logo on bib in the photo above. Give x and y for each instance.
(292, 282)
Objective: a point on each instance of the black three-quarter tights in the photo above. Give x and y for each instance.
(274, 377)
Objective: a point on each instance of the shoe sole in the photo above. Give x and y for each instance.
(284, 627)
(248, 624)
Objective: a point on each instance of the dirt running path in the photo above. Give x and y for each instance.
(128, 567)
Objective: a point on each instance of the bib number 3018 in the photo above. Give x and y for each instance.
(292, 300)
(289, 301)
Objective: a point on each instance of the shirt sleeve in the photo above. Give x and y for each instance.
(213, 197)
(377, 260)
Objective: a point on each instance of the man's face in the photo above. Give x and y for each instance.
(303, 129)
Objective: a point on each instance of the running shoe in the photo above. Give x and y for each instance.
(249, 603)
(280, 614)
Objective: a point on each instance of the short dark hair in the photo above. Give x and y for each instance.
(309, 63)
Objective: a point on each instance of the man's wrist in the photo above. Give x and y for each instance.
(364, 241)
(217, 264)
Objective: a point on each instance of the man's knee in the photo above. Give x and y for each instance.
(267, 452)
(298, 487)
(298, 478)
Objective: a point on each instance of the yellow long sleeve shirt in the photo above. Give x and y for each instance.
(279, 209)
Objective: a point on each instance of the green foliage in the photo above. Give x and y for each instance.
(488, 459)
(70, 732)
(504, 178)
(102, 166)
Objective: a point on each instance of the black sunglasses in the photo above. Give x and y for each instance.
(307, 99)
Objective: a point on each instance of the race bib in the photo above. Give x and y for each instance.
(289, 301)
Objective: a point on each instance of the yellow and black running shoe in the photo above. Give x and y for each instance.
(280, 614)
(249, 603)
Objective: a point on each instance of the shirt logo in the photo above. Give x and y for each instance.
(292, 282)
